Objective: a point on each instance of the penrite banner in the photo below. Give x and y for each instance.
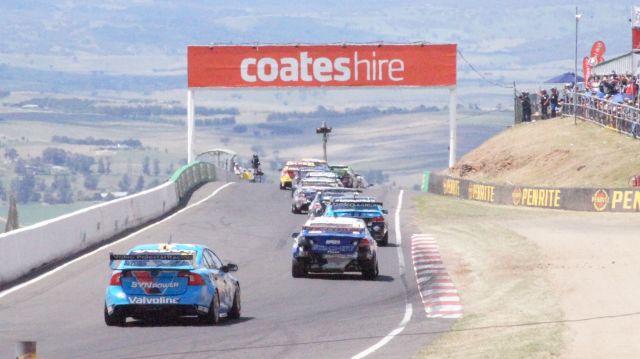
(575, 199)
(321, 65)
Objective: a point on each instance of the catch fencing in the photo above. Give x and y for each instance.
(619, 117)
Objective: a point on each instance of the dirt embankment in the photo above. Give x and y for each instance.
(554, 153)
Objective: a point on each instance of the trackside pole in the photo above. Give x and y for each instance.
(452, 126)
(190, 124)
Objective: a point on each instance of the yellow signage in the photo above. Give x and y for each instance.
(451, 187)
(627, 200)
(537, 197)
(480, 192)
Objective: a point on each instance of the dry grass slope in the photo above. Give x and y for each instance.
(554, 153)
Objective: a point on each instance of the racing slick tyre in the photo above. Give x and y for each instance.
(282, 186)
(213, 316)
(114, 319)
(385, 240)
(371, 272)
(234, 312)
(297, 269)
(295, 210)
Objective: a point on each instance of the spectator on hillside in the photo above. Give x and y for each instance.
(553, 100)
(544, 104)
(526, 107)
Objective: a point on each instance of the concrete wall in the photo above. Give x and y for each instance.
(32, 247)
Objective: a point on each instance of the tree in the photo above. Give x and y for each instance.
(24, 186)
(139, 184)
(11, 154)
(54, 156)
(3, 192)
(61, 188)
(145, 165)
(91, 181)
(108, 169)
(101, 167)
(170, 169)
(124, 183)
(156, 167)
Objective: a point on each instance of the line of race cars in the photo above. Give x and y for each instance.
(344, 227)
(342, 234)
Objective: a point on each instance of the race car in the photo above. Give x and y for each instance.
(289, 171)
(170, 280)
(365, 208)
(302, 196)
(348, 177)
(324, 196)
(311, 173)
(317, 182)
(334, 245)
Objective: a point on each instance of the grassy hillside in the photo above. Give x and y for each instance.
(554, 153)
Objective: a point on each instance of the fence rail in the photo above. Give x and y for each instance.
(616, 116)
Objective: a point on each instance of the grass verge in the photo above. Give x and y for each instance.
(510, 308)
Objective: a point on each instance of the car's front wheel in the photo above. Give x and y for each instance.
(385, 240)
(114, 319)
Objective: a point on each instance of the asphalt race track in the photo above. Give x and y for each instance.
(282, 317)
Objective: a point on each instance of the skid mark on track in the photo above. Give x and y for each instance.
(439, 294)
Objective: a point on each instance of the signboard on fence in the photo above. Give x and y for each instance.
(576, 199)
(321, 65)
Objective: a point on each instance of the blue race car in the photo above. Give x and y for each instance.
(334, 245)
(171, 280)
(365, 208)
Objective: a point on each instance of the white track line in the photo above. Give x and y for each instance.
(63, 266)
(408, 308)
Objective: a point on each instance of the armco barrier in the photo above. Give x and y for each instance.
(32, 247)
(576, 199)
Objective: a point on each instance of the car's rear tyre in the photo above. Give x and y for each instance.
(385, 240)
(298, 269)
(294, 210)
(213, 316)
(371, 272)
(236, 308)
(114, 319)
(282, 186)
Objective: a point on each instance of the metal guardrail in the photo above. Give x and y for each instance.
(615, 116)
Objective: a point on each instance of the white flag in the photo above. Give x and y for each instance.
(635, 16)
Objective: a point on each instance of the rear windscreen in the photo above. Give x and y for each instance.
(159, 262)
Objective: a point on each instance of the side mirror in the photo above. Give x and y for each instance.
(229, 267)
(384, 211)
(295, 234)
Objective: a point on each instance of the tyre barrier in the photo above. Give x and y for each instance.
(46, 243)
(575, 199)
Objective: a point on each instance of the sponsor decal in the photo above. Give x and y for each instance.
(451, 187)
(480, 192)
(537, 197)
(516, 196)
(152, 300)
(600, 200)
(157, 285)
(626, 200)
(321, 65)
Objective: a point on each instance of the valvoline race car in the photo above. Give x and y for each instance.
(334, 245)
(365, 208)
(324, 197)
(168, 280)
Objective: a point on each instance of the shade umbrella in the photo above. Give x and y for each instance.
(567, 77)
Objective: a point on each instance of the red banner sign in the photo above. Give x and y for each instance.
(321, 65)
(635, 38)
(586, 69)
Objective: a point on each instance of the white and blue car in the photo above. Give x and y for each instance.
(334, 245)
(171, 280)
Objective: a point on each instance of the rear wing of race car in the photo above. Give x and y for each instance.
(151, 260)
